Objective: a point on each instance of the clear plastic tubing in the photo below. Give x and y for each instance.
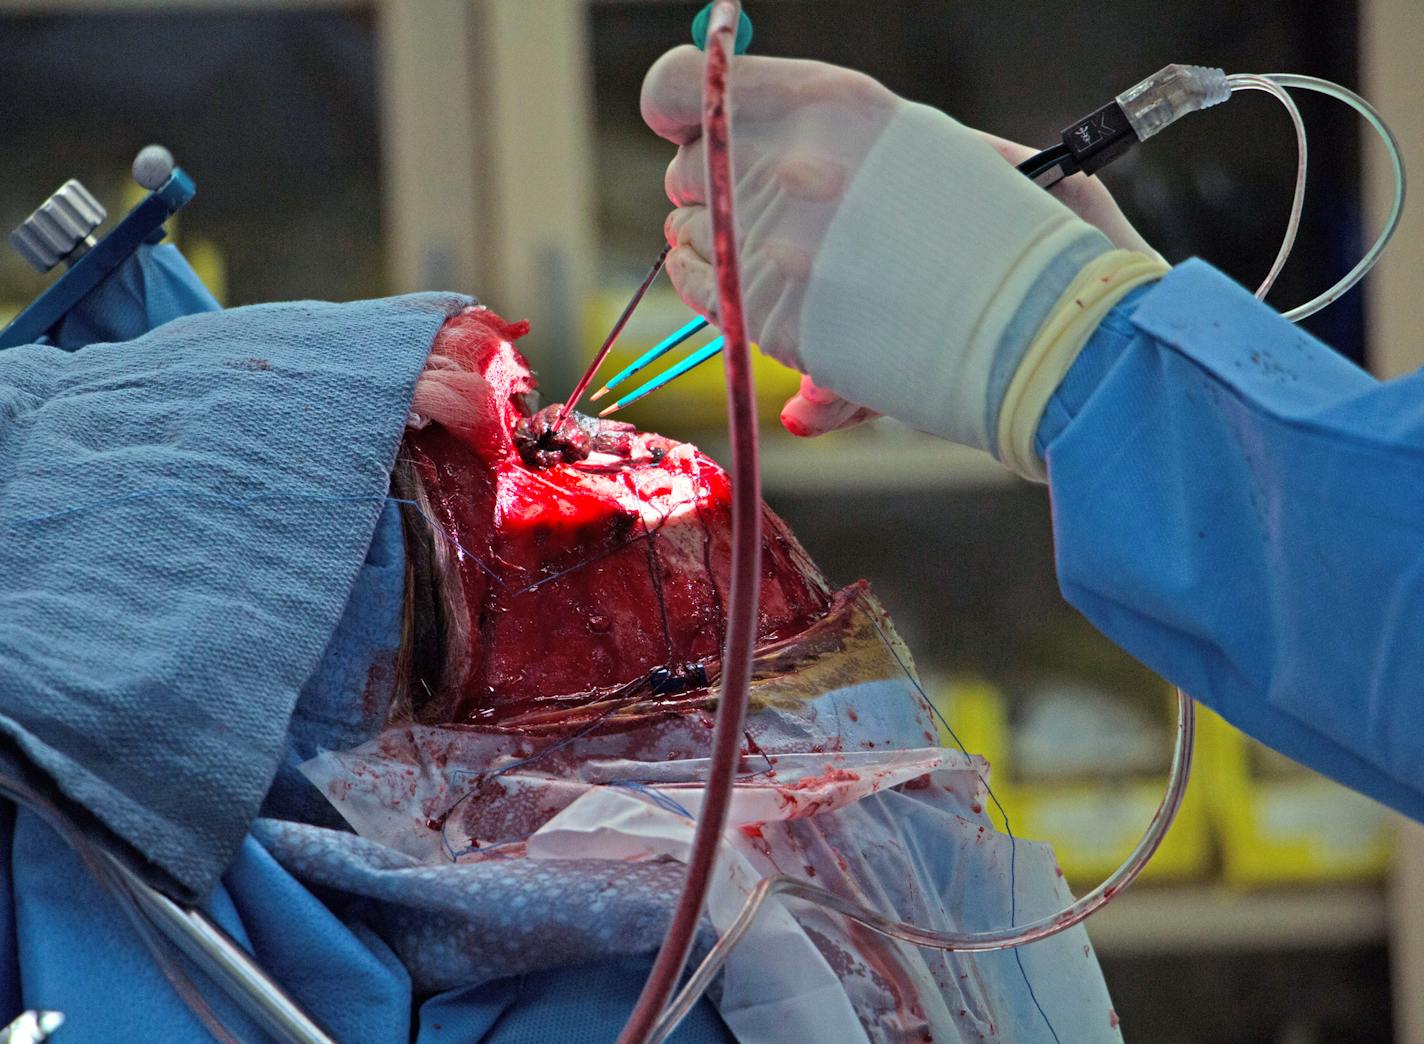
(1250, 82)
(1367, 111)
(743, 599)
(996, 939)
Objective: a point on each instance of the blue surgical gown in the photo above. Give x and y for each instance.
(1242, 509)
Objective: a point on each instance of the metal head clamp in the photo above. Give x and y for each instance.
(62, 227)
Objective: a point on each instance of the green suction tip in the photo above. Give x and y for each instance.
(699, 30)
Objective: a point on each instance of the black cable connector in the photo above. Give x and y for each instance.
(1099, 138)
(1047, 168)
(1088, 145)
(1134, 115)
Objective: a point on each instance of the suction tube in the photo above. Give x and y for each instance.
(746, 538)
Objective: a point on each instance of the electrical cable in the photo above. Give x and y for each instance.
(1175, 91)
(101, 866)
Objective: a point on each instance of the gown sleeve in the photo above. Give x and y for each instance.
(1242, 509)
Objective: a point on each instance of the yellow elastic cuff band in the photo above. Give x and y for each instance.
(1092, 294)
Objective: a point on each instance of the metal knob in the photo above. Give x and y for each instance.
(153, 166)
(60, 228)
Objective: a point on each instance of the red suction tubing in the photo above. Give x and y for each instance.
(746, 540)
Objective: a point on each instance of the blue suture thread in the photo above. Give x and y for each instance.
(653, 794)
(480, 777)
(1013, 844)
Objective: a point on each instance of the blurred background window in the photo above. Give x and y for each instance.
(273, 111)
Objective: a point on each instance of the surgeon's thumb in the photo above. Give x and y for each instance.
(671, 101)
(815, 411)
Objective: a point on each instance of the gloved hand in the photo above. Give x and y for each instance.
(888, 252)
(814, 410)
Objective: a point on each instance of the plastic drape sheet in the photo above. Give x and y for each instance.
(577, 841)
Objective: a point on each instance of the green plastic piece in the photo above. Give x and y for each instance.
(699, 30)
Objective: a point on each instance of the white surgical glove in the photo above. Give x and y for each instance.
(888, 252)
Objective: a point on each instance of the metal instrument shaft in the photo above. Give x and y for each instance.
(608, 341)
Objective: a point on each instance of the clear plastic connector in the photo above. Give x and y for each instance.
(1169, 94)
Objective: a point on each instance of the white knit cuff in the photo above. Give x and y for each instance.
(916, 304)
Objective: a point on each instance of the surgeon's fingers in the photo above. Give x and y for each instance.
(690, 227)
(779, 257)
(815, 411)
(686, 177)
(815, 394)
(671, 100)
(806, 174)
(693, 279)
(762, 88)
